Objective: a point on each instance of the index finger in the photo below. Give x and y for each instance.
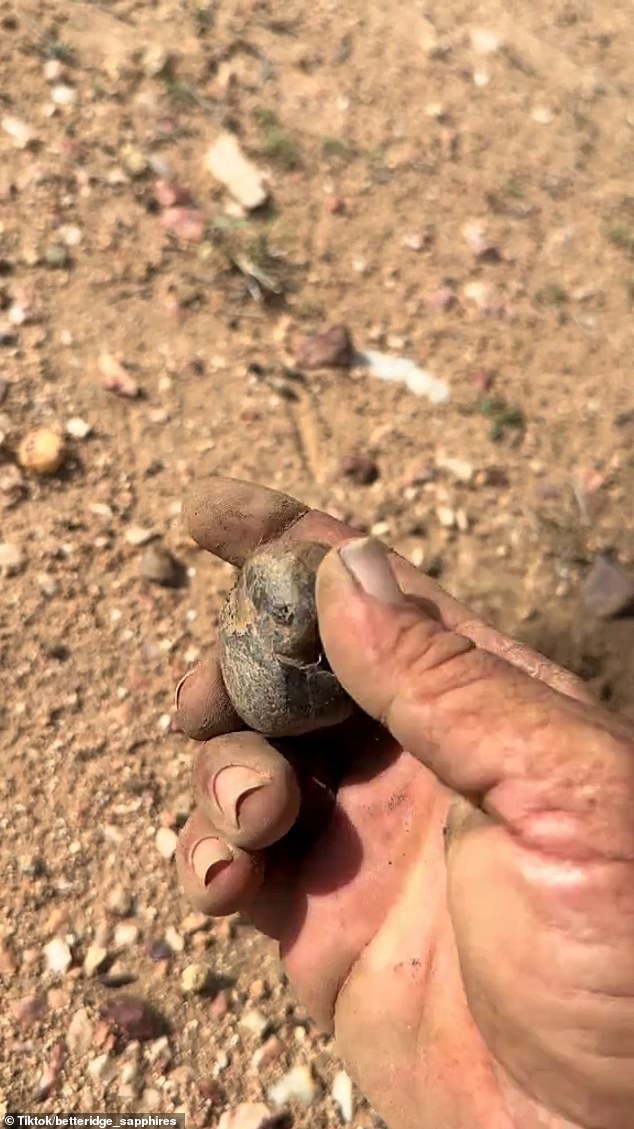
(230, 518)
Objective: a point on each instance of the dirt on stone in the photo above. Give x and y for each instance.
(457, 192)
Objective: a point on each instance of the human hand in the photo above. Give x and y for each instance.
(464, 918)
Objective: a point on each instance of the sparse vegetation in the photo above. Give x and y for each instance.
(336, 149)
(502, 415)
(277, 144)
(551, 294)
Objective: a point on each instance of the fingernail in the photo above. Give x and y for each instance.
(208, 857)
(231, 786)
(180, 687)
(369, 564)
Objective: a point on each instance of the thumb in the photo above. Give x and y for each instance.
(526, 753)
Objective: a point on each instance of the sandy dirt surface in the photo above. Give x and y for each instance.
(457, 194)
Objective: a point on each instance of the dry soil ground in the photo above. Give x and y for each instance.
(455, 191)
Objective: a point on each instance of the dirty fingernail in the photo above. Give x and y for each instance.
(232, 785)
(208, 857)
(180, 687)
(369, 564)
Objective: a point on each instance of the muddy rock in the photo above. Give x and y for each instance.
(132, 1018)
(331, 348)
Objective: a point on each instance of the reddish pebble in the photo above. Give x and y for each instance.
(482, 379)
(220, 1004)
(335, 205)
(331, 348)
(187, 224)
(167, 193)
(441, 300)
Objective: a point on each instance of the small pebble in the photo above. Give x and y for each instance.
(331, 348)
(166, 842)
(187, 224)
(360, 469)
(195, 923)
(297, 1085)
(102, 1068)
(78, 428)
(247, 1115)
(63, 95)
(446, 516)
(342, 1095)
(270, 1052)
(254, 1021)
(58, 955)
(195, 979)
(380, 529)
(159, 950)
(460, 468)
(174, 940)
(95, 958)
(169, 193)
(57, 256)
(133, 1018)
(119, 901)
(133, 160)
(136, 535)
(80, 1032)
(125, 934)
(20, 132)
(42, 451)
(156, 60)
(608, 591)
(159, 566)
(116, 378)
(240, 176)
(54, 70)
(12, 559)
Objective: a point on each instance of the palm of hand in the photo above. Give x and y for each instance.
(460, 972)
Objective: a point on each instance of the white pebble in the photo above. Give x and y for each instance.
(166, 842)
(446, 516)
(63, 95)
(254, 1021)
(542, 115)
(164, 726)
(342, 1095)
(11, 558)
(78, 428)
(483, 41)
(95, 958)
(174, 939)
(21, 134)
(79, 1033)
(126, 934)
(137, 535)
(47, 584)
(380, 529)
(247, 1115)
(58, 955)
(54, 70)
(460, 468)
(101, 1069)
(298, 1085)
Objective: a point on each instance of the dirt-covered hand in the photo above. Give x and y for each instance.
(462, 910)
